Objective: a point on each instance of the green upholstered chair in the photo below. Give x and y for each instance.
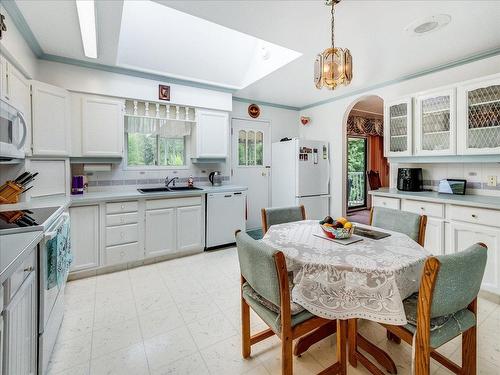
(411, 224)
(280, 215)
(444, 308)
(265, 288)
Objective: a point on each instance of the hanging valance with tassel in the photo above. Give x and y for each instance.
(155, 126)
(357, 125)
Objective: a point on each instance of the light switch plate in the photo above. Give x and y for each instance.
(492, 181)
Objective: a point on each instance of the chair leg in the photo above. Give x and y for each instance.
(422, 357)
(286, 354)
(469, 351)
(245, 329)
(352, 341)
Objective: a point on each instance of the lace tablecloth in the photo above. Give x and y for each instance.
(368, 279)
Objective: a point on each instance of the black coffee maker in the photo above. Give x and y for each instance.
(410, 179)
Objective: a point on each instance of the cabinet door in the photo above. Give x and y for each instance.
(464, 235)
(84, 237)
(102, 127)
(398, 128)
(21, 330)
(434, 236)
(479, 117)
(436, 123)
(189, 228)
(50, 120)
(3, 79)
(160, 232)
(211, 134)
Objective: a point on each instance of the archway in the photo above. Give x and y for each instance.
(366, 166)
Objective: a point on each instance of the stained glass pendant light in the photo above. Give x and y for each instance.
(333, 66)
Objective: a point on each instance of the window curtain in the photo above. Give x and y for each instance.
(157, 126)
(357, 125)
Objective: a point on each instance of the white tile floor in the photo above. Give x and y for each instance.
(182, 317)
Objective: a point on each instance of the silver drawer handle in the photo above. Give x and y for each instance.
(422, 208)
(122, 220)
(122, 206)
(122, 234)
(474, 216)
(29, 269)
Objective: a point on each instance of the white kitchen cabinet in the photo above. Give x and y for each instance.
(84, 237)
(51, 125)
(189, 228)
(398, 128)
(435, 123)
(464, 235)
(211, 134)
(53, 177)
(21, 333)
(160, 236)
(102, 127)
(434, 236)
(478, 122)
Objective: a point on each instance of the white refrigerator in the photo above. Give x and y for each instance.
(301, 175)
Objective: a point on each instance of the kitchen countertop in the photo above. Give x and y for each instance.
(13, 248)
(484, 201)
(119, 195)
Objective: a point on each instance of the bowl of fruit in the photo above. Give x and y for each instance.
(340, 228)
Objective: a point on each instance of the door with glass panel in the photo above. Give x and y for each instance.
(435, 123)
(398, 127)
(251, 158)
(357, 148)
(478, 107)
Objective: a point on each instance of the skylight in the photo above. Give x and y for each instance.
(86, 18)
(157, 39)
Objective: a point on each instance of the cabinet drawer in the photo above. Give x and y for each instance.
(172, 202)
(119, 207)
(121, 219)
(423, 208)
(475, 215)
(122, 234)
(21, 273)
(386, 202)
(123, 253)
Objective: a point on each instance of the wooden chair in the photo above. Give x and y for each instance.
(411, 224)
(444, 308)
(280, 215)
(265, 288)
(373, 180)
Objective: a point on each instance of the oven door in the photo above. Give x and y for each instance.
(13, 132)
(55, 259)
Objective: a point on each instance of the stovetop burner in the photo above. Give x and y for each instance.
(25, 218)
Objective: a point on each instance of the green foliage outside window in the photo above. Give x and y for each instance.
(153, 150)
(356, 166)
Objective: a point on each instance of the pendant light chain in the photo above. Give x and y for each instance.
(333, 24)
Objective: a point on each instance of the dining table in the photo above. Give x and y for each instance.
(368, 279)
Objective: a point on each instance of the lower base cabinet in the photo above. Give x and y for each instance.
(20, 330)
(434, 236)
(84, 237)
(160, 232)
(189, 228)
(464, 235)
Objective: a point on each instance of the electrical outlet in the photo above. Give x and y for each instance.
(492, 181)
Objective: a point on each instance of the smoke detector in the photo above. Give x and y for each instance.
(427, 25)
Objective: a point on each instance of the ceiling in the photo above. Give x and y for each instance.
(373, 31)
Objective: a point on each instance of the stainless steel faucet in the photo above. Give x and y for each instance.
(172, 181)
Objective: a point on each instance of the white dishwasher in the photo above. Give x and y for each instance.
(225, 215)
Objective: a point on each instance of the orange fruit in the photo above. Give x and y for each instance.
(342, 220)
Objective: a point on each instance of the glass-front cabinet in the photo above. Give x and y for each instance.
(479, 117)
(435, 123)
(398, 128)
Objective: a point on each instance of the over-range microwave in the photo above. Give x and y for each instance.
(13, 131)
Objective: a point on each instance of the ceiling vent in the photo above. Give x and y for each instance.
(427, 25)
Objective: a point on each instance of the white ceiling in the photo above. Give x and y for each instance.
(372, 30)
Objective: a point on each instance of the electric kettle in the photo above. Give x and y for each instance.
(215, 178)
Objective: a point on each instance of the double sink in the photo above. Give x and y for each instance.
(166, 189)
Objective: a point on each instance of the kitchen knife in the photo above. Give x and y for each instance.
(29, 179)
(23, 181)
(21, 177)
(25, 190)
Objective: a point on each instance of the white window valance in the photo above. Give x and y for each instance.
(156, 126)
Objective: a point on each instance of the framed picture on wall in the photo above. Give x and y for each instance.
(164, 92)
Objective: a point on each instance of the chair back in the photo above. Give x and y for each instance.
(280, 215)
(409, 223)
(258, 267)
(458, 280)
(373, 179)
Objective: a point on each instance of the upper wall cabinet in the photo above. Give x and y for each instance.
(479, 117)
(102, 127)
(51, 127)
(435, 123)
(398, 128)
(15, 89)
(211, 134)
